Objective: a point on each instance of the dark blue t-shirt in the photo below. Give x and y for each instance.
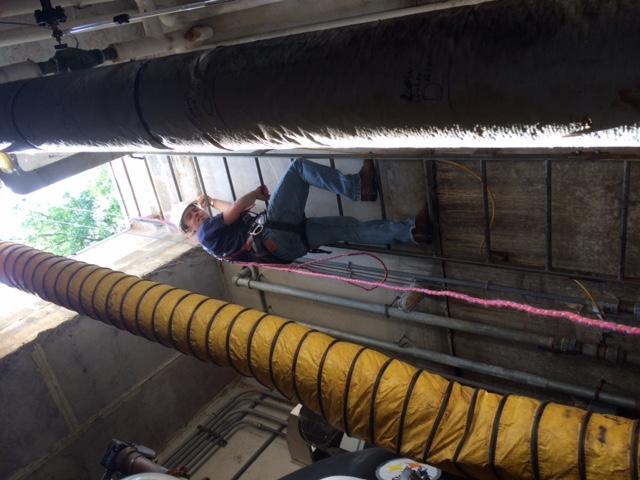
(221, 240)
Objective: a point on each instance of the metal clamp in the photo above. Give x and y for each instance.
(256, 229)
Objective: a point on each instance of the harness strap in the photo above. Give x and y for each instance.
(299, 228)
(253, 243)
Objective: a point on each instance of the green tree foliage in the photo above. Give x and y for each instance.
(76, 221)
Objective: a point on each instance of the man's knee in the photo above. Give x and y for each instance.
(297, 164)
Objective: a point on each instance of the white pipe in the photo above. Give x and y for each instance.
(189, 18)
(12, 8)
(225, 32)
(138, 17)
(171, 42)
(19, 35)
(19, 71)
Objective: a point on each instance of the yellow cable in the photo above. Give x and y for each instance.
(492, 198)
(589, 296)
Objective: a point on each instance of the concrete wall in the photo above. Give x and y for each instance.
(65, 394)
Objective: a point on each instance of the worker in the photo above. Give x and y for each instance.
(283, 233)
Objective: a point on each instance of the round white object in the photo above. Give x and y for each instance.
(394, 468)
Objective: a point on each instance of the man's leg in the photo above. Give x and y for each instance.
(289, 198)
(328, 230)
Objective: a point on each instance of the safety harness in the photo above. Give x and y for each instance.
(256, 244)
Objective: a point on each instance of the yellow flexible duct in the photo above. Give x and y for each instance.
(462, 430)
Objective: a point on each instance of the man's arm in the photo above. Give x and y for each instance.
(244, 203)
(220, 205)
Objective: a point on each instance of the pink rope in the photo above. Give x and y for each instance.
(481, 302)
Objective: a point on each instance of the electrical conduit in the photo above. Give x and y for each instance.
(545, 342)
(365, 393)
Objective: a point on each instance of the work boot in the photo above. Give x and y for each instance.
(409, 301)
(423, 231)
(368, 181)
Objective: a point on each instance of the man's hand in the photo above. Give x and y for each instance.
(204, 200)
(262, 193)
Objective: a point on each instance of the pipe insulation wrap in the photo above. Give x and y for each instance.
(509, 73)
(382, 400)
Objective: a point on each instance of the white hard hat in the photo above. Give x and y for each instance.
(176, 215)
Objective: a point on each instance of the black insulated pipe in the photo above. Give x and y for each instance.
(510, 73)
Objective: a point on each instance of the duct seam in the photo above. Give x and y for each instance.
(138, 108)
(494, 436)
(467, 431)
(13, 117)
(320, 374)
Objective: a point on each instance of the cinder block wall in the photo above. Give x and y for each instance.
(64, 395)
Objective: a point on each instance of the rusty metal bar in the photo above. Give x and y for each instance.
(624, 214)
(229, 179)
(153, 185)
(548, 207)
(260, 178)
(332, 162)
(433, 207)
(196, 164)
(487, 215)
(115, 179)
(175, 179)
(383, 207)
(133, 193)
(558, 272)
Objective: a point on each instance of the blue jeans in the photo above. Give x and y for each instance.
(288, 202)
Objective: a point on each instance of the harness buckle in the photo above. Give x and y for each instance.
(256, 229)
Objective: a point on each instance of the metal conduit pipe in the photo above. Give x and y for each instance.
(197, 454)
(202, 433)
(13, 8)
(373, 273)
(214, 447)
(209, 431)
(528, 338)
(251, 460)
(196, 16)
(177, 41)
(365, 393)
(244, 412)
(191, 468)
(546, 342)
(138, 17)
(216, 436)
(230, 404)
(624, 312)
(327, 89)
(614, 310)
(330, 20)
(19, 35)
